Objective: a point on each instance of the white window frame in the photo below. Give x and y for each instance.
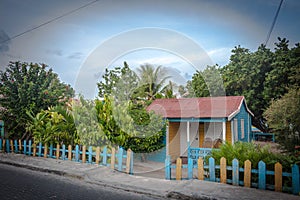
(242, 129)
(235, 128)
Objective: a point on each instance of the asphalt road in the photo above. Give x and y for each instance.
(20, 183)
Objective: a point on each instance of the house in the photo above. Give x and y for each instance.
(203, 122)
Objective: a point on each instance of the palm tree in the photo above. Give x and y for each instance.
(151, 80)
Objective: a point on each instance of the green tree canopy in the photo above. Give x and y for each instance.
(283, 118)
(28, 87)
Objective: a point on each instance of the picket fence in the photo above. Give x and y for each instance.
(259, 178)
(120, 159)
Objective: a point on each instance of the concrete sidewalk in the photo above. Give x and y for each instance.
(100, 175)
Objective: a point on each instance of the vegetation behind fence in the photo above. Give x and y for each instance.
(259, 178)
(115, 159)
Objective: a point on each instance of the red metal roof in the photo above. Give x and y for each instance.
(205, 107)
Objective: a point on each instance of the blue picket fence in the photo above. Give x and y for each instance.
(120, 160)
(234, 174)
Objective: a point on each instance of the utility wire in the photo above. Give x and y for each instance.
(50, 21)
(273, 23)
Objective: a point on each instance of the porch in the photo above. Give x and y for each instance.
(196, 138)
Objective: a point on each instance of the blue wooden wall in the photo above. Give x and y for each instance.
(243, 114)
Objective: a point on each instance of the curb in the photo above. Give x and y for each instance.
(50, 171)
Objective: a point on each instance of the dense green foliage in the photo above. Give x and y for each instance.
(206, 83)
(28, 87)
(86, 121)
(130, 127)
(260, 76)
(283, 118)
(243, 151)
(55, 125)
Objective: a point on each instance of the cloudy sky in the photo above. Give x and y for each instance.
(180, 35)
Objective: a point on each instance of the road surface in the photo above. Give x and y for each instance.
(20, 183)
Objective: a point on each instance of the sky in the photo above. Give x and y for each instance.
(182, 36)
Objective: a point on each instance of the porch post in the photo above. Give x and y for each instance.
(188, 133)
(224, 131)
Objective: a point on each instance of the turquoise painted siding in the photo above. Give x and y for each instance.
(243, 115)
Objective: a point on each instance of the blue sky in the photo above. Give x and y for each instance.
(73, 45)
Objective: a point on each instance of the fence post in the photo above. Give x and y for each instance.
(34, 149)
(168, 167)
(223, 170)
(40, 149)
(295, 179)
(120, 159)
(16, 146)
(235, 172)
(12, 146)
(29, 147)
(128, 161)
(278, 177)
(0, 144)
(57, 151)
(112, 158)
(45, 150)
(63, 152)
(51, 150)
(84, 154)
(212, 172)
(3, 144)
(178, 169)
(77, 153)
(97, 155)
(7, 145)
(20, 146)
(247, 173)
(200, 169)
(90, 154)
(69, 152)
(104, 159)
(24, 147)
(190, 168)
(131, 163)
(261, 175)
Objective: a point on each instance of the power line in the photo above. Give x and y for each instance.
(273, 23)
(49, 21)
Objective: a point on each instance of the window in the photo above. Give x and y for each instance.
(235, 126)
(242, 129)
(213, 130)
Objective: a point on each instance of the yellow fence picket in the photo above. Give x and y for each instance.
(200, 169)
(12, 146)
(278, 177)
(69, 152)
(57, 151)
(83, 154)
(247, 173)
(45, 150)
(97, 155)
(34, 149)
(178, 169)
(128, 161)
(112, 158)
(20, 145)
(223, 170)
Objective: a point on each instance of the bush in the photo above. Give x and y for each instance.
(243, 151)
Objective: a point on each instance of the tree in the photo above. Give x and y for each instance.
(130, 125)
(53, 126)
(245, 75)
(206, 83)
(29, 87)
(151, 80)
(283, 117)
(85, 118)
